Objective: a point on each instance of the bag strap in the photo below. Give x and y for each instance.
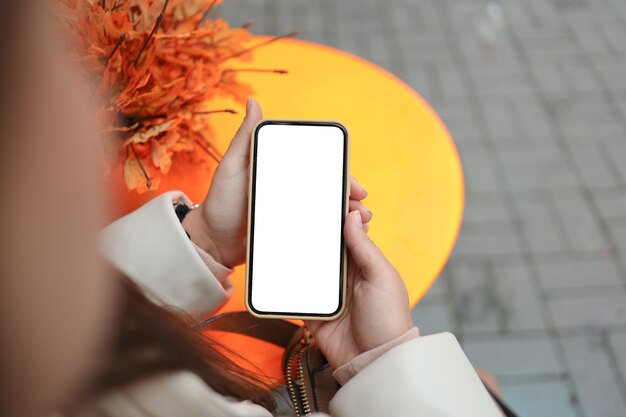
(275, 331)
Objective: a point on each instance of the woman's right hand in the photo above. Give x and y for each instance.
(377, 306)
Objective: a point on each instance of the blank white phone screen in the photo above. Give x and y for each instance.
(296, 236)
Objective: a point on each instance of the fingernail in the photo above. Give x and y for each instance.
(249, 104)
(370, 212)
(357, 217)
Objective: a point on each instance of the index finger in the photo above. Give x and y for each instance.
(357, 192)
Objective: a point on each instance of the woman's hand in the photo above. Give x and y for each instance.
(377, 309)
(219, 225)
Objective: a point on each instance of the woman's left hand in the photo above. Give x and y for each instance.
(219, 225)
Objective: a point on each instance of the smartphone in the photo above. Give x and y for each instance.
(298, 201)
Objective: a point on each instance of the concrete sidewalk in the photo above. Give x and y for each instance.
(534, 93)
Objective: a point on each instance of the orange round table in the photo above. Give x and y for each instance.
(400, 151)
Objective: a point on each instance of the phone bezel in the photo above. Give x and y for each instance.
(250, 232)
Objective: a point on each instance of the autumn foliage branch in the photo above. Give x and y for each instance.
(156, 66)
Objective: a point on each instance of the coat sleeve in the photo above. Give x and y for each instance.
(427, 376)
(151, 247)
(180, 394)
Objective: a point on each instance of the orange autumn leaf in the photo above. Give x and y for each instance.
(161, 157)
(135, 178)
(155, 65)
(143, 136)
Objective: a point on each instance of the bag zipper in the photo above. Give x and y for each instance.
(295, 386)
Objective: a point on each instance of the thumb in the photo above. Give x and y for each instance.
(239, 148)
(366, 255)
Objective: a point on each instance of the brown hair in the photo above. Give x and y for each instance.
(152, 339)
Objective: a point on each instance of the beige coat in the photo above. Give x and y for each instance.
(427, 376)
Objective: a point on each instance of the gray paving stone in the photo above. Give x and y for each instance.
(377, 51)
(580, 225)
(418, 50)
(536, 168)
(619, 7)
(492, 66)
(612, 72)
(520, 305)
(590, 38)
(567, 272)
(540, 226)
(503, 85)
(540, 398)
(432, 317)
(514, 356)
(480, 172)
(582, 11)
(590, 127)
(420, 79)
(586, 116)
(415, 16)
(488, 243)
(589, 311)
(535, 123)
(593, 162)
(617, 345)
(451, 83)
(485, 212)
(615, 33)
(581, 76)
(545, 12)
(617, 154)
(438, 289)
(520, 18)
(620, 102)
(500, 121)
(484, 298)
(475, 300)
(596, 385)
(618, 232)
(550, 79)
(407, 16)
(462, 122)
(540, 47)
(612, 206)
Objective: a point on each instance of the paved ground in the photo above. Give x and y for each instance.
(536, 102)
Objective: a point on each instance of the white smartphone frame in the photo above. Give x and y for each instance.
(250, 233)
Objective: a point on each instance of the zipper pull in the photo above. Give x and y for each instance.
(307, 337)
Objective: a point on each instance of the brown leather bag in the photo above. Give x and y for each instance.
(308, 376)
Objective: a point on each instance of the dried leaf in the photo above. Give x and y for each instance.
(141, 137)
(152, 85)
